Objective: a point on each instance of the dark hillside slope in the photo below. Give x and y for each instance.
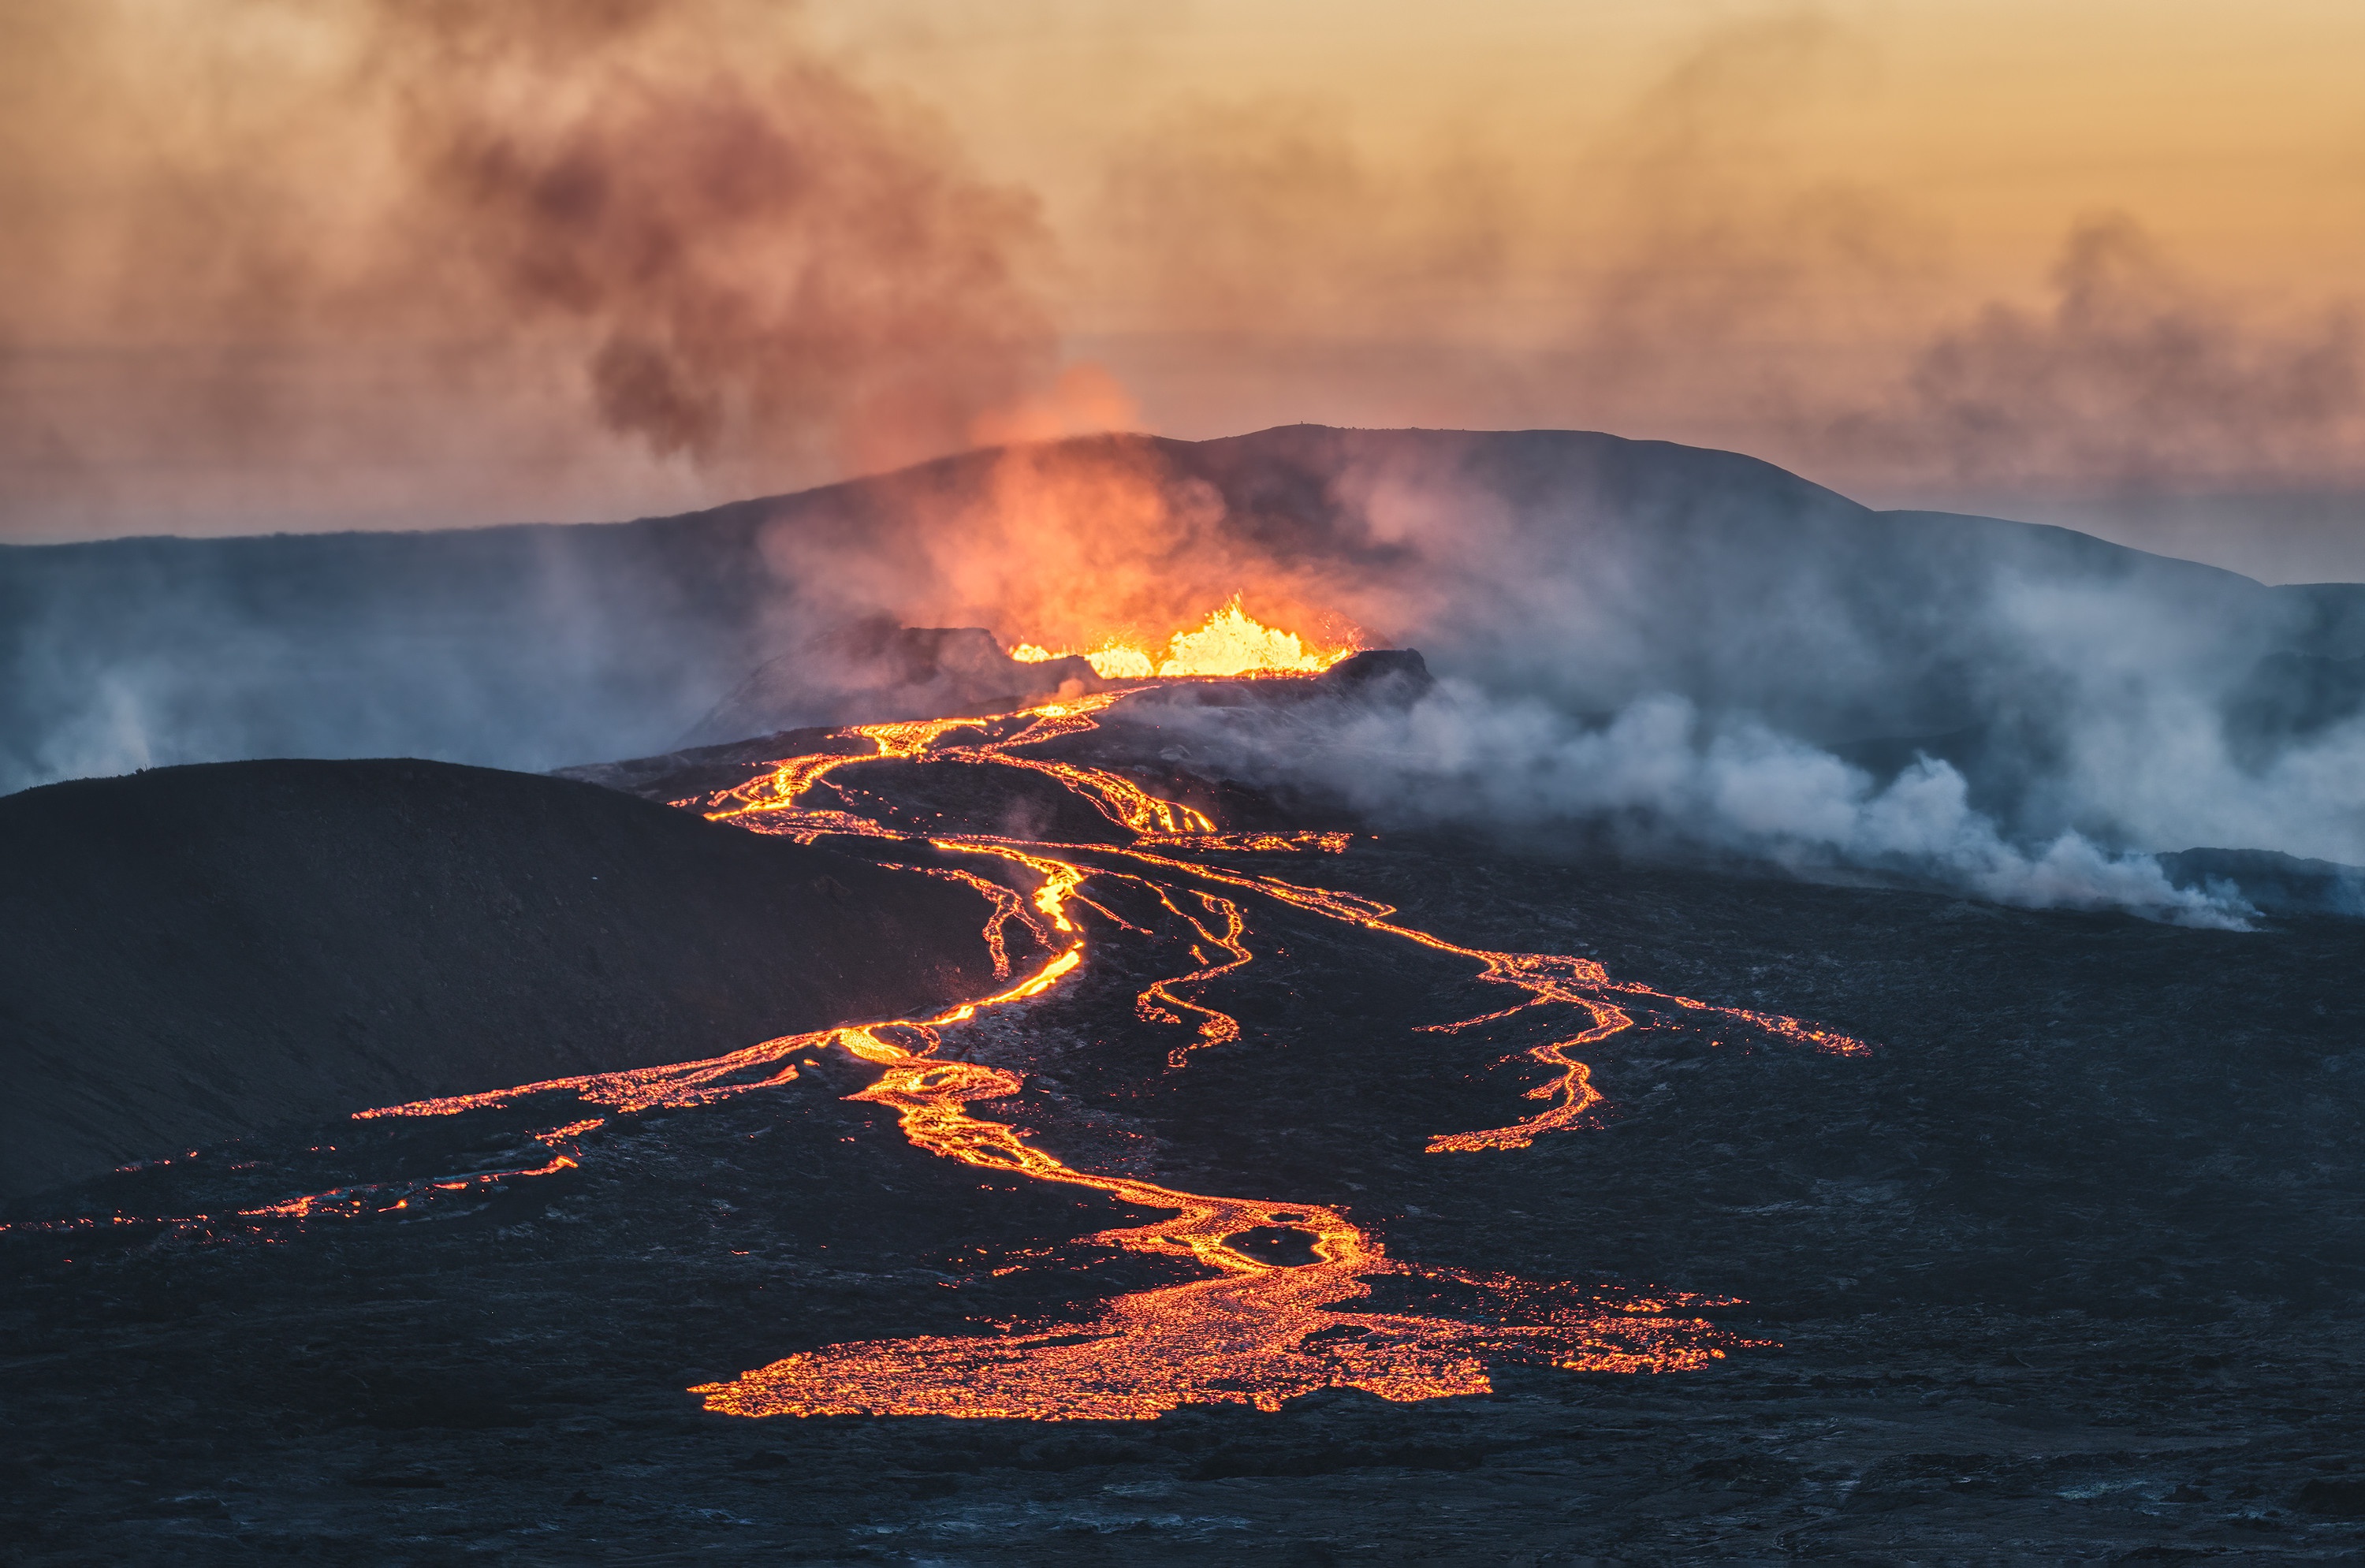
(193, 954)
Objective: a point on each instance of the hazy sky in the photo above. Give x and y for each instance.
(273, 264)
(2235, 132)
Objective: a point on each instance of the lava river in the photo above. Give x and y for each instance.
(1256, 1330)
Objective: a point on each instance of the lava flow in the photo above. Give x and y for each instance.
(1255, 1331)
(1228, 643)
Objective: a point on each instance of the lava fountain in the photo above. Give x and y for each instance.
(1228, 643)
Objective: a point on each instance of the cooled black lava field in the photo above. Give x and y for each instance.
(2067, 1267)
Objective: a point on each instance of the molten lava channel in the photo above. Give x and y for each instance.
(1254, 1331)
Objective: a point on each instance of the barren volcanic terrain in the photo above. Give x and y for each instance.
(192, 954)
(1291, 1194)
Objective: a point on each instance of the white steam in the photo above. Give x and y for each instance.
(1660, 776)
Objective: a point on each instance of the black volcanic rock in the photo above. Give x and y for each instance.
(874, 671)
(193, 954)
(1381, 675)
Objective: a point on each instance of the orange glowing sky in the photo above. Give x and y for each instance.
(2235, 132)
(1381, 214)
(1740, 225)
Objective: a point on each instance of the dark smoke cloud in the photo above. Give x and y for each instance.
(777, 261)
(2136, 374)
(354, 255)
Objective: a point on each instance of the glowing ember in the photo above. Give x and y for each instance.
(1257, 1332)
(1230, 642)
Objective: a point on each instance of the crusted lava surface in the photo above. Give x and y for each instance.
(2065, 1268)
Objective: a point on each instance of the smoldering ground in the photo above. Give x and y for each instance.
(1690, 270)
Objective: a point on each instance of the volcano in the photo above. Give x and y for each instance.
(1020, 1135)
(1583, 567)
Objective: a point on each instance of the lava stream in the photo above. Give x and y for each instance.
(1256, 1332)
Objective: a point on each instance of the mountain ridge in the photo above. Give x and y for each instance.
(1576, 569)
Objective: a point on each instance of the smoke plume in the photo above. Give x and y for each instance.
(2136, 374)
(1691, 270)
(571, 256)
(1656, 780)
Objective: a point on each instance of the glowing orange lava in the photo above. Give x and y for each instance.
(1230, 642)
(369, 1197)
(1255, 1332)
